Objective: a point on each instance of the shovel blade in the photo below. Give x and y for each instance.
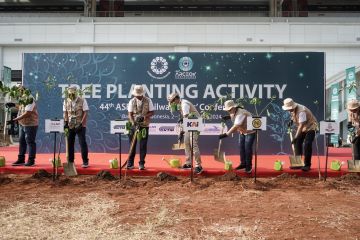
(353, 166)
(296, 162)
(177, 146)
(219, 156)
(69, 169)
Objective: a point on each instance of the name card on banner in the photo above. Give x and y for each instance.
(118, 126)
(52, 125)
(329, 127)
(195, 124)
(256, 123)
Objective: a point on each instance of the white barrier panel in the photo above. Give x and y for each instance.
(173, 129)
(329, 127)
(54, 125)
(117, 127)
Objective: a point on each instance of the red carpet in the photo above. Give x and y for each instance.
(155, 164)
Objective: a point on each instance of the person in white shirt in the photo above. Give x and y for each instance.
(239, 116)
(75, 110)
(306, 124)
(140, 110)
(187, 109)
(353, 109)
(28, 119)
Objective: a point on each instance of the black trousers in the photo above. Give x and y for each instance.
(306, 139)
(81, 133)
(143, 147)
(356, 148)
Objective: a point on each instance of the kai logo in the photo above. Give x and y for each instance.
(192, 124)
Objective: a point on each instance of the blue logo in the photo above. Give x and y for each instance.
(185, 64)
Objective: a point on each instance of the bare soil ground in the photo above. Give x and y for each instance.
(98, 207)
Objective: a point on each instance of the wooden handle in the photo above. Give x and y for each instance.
(220, 141)
(67, 148)
(292, 145)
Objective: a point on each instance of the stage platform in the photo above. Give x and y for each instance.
(155, 164)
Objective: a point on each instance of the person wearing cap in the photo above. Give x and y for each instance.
(187, 109)
(353, 108)
(75, 110)
(140, 110)
(28, 119)
(307, 125)
(239, 116)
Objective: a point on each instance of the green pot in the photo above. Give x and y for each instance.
(335, 165)
(277, 165)
(2, 161)
(114, 163)
(228, 165)
(174, 163)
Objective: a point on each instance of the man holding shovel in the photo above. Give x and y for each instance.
(140, 110)
(187, 109)
(353, 108)
(247, 137)
(306, 124)
(75, 110)
(28, 119)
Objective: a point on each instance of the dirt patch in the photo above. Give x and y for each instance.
(128, 183)
(229, 176)
(161, 176)
(286, 176)
(146, 208)
(104, 175)
(41, 174)
(351, 177)
(5, 180)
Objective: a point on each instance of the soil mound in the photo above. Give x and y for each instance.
(5, 180)
(104, 175)
(229, 176)
(41, 174)
(161, 176)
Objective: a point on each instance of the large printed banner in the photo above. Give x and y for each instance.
(202, 78)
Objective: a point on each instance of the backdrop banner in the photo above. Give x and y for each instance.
(202, 78)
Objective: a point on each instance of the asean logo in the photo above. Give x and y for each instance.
(185, 64)
(256, 123)
(159, 68)
(159, 65)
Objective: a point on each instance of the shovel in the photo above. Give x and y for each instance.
(132, 145)
(69, 167)
(218, 155)
(353, 165)
(295, 161)
(179, 145)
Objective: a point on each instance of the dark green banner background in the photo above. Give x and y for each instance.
(200, 77)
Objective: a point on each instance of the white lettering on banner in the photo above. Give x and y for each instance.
(209, 91)
(190, 91)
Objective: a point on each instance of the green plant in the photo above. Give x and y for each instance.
(21, 94)
(79, 92)
(241, 102)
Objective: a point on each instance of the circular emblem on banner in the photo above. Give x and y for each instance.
(256, 123)
(159, 65)
(185, 64)
(335, 91)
